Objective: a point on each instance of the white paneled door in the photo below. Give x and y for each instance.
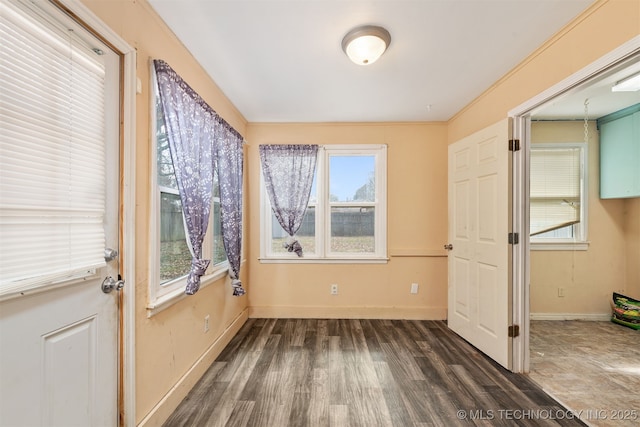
(59, 358)
(58, 328)
(478, 189)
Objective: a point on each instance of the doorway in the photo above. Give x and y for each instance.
(565, 287)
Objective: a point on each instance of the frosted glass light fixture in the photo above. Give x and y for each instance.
(364, 45)
(628, 84)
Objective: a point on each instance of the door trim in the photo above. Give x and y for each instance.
(521, 130)
(126, 380)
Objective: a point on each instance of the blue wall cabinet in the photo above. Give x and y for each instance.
(620, 154)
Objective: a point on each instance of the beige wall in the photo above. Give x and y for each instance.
(169, 343)
(417, 225)
(588, 277)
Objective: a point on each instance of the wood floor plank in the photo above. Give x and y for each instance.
(256, 338)
(338, 415)
(254, 383)
(299, 409)
(373, 344)
(318, 408)
(300, 331)
(357, 372)
(240, 415)
(242, 339)
(337, 373)
(399, 413)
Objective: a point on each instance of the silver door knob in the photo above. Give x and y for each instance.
(448, 247)
(110, 254)
(109, 284)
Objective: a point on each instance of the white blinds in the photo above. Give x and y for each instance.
(555, 188)
(52, 154)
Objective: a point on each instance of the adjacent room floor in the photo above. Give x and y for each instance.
(369, 373)
(593, 367)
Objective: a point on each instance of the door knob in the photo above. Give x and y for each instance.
(109, 284)
(110, 254)
(448, 247)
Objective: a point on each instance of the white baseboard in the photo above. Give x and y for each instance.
(289, 312)
(165, 407)
(595, 317)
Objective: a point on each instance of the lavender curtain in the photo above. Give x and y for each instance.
(229, 159)
(190, 130)
(288, 172)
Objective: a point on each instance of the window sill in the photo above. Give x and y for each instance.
(170, 298)
(304, 260)
(559, 246)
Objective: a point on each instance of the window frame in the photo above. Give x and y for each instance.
(580, 239)
(323, 254)
(163, 295)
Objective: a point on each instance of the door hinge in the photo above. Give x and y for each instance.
(514, 238)
(514, 331)
(514, 145)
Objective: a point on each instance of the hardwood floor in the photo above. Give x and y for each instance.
(315, 372)
(593, 367)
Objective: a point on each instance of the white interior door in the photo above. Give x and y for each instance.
(58, 338)
(478, 189)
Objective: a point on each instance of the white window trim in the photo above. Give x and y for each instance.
(176, 293)
(163, 296)
(580, 243)
(323, 213)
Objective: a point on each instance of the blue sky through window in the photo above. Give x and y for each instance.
(348, 173)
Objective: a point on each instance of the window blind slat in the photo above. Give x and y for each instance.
(28, 140)
(52, 154)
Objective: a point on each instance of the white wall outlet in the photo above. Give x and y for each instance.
(560, 292)
(414, 288)
(206, 323)
(334, 289)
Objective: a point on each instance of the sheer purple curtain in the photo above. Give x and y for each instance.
(229, 159)
(288, 172)
(190, 130)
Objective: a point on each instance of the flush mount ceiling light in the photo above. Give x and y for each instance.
(628, 84)
(364, 45)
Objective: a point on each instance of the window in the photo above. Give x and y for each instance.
(558, 195)
(346, 217)
(172, 256)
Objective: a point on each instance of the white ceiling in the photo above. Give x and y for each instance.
(597, 94)
(281, 60)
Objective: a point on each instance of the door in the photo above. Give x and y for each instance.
(58, 329)
(478, 189)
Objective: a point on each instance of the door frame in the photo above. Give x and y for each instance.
(126, 303)
(520, 175)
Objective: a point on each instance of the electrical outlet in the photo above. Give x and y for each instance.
(206, 323)
(414, 288)
(560, 292)
(334, 289)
